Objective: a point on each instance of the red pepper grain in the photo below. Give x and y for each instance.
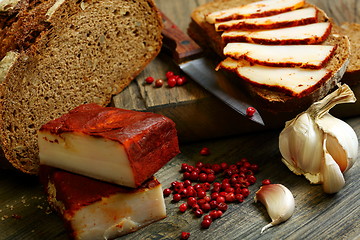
(190, 168)
(222, 206)
(183, 192)
(181, 80)
(213, 214)
(207, 217)
(216, 168)
(167, 192)
(220, 199)
(183, 207)
(210, 178)
(199, 212)
(224, 166)
(206, 207)
(205, 151)
(250, 111)
(184, 167)
(201, 202)
(219, 213)
(245, 192)
(185, 235)
(266, 182)
(239, 197)
(171, 81)
(206, 186)
(207, 198)
(251, 179)
(159, 83)
(254, 167)
(187, 183)
(149, 80)
(203, 177)
(230, 197)
(176, 197)
(214, 195)
(169, 74)
(191, 201)
(199, 165)
(192, 192)
(213, 204)
(206, 223)
(194, 176)
(186, 175)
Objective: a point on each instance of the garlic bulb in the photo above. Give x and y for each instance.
(279, 203)
(319, 146)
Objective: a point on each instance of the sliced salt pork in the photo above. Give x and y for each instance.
(110, 144)
(288, 19)
(307, 34)
(304, 56)
(256, 9)
(94, 209)
(295, 82)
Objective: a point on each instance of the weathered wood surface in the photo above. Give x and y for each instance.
(214, 118)
(24, 213)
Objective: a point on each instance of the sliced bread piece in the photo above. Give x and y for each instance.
(85, 52)
(352, 74)
(270, 100)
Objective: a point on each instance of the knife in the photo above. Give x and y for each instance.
(190, 58)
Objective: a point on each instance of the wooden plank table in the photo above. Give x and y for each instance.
(24, 213)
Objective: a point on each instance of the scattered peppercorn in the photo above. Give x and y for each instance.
(250, 111)
(159, 83)
(185, 235)
(149, 80)
(171, 81)
(205, 151)
(266, 182)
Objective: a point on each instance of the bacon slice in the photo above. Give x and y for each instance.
(296, 82)
(304, 56)
(256, 9)
(287, 19)
(307, 34)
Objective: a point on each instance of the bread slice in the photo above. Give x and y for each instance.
(75, 52)
(352, 74)
(274, 101)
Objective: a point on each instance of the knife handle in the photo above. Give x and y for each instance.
(181, 46)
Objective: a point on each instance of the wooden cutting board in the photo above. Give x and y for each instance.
(197, 114)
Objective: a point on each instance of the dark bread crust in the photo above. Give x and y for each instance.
(90, 51)
(205, 34)
(352, 30)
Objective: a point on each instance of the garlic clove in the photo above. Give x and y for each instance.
(332, 176)
(342, 143)
(279, 203)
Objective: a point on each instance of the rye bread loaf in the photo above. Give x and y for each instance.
(206, 35)
(72, 53)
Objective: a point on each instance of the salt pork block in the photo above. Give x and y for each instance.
(93, 209)
(110, 144)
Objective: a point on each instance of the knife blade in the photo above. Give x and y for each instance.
(190, 58)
